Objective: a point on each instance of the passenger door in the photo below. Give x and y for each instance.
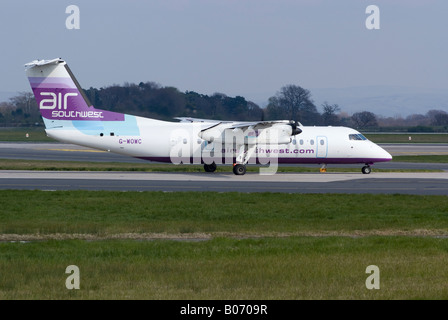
(322, 146)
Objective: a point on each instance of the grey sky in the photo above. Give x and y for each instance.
(238, 47)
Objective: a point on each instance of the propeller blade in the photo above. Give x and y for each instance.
(295, 128)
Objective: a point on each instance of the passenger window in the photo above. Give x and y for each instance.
(312, 142)
(301, 142)
(322, 142)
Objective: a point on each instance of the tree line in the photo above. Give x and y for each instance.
(291, 102)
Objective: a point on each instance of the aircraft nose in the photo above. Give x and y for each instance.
(386, 155)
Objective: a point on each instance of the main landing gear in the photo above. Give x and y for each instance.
(244, 154)
(210, 167)
(366, 169)
(239, 169)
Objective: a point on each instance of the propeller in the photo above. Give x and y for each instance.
(295, 127)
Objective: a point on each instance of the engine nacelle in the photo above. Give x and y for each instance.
(278, 133)
(212, 135)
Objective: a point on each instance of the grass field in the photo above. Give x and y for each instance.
(223, 268)
(155, 245)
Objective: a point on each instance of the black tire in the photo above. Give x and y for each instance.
(239, 169)
(210, 167)
(366, 169)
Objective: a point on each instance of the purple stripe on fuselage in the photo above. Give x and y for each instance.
(287, 160)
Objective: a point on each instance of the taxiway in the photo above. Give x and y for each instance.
(376, 182)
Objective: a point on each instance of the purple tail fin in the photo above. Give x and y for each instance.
(59, 96)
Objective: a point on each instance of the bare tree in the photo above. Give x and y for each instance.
(440, 119)
(364, 119)
(417, 120)
(294, 103)
(25, 101)
(329, 116)
(437, 117)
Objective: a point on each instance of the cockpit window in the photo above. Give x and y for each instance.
(357, 136)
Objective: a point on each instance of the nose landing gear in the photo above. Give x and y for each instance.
(366, 169)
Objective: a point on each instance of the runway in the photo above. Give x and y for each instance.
(376, 182)
(384, 183)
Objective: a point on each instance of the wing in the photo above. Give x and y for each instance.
(257, 129)
(247, 134)
(191, 120)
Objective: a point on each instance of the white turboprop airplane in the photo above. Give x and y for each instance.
(69, 117)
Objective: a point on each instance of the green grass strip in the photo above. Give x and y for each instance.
(422, 158)
(285, 268)
(107, 213)
(30, 134)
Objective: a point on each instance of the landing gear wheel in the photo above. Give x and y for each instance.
(210, 167)
(239, 169)
(366, 169)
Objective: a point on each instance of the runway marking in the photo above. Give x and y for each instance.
(117, 187)
(70, 150)
(32, 185)
(298, 178)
